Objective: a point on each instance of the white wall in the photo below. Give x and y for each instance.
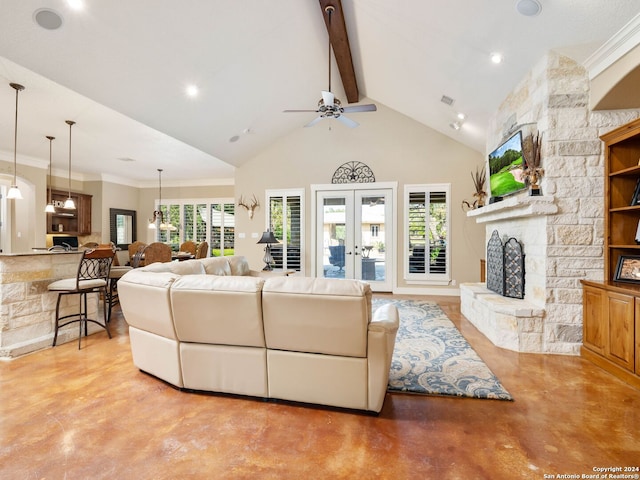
(395, 147)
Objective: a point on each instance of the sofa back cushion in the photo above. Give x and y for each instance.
(216, 266)
(239, 265)
(317, 315)
(224, 310)
(188, 267)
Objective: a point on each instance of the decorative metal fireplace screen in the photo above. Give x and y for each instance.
(505, 266)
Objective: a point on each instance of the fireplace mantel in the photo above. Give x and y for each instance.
(516, 206)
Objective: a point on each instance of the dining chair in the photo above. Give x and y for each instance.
(189, 247)
(202, 250)
(157, 252)
(92, 277)
(134, 248)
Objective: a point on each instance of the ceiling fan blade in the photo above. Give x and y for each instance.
(347, 121)
(328, 98)
(360, 108)
(297, 111)
(313, 122)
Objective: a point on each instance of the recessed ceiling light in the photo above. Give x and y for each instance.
(455, 125)
(47, 18)
(497, 58)
(461, 116)
(235, 138)
(192, 91)
(529, 8)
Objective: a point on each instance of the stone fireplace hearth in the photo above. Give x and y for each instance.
(519, 324)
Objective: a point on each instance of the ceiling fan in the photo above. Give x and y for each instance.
(329, 106)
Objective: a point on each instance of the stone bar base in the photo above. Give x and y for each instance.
(27, 308)
(509, 323)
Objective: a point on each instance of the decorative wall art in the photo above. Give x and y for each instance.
(353, 172)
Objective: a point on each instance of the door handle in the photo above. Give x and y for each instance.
(347, 253)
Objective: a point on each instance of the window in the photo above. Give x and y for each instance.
(427, 233)
(212, 221)
(285, 221)
(375, 230)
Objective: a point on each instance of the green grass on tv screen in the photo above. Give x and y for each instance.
(503, 182)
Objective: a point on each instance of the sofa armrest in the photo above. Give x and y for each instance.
(385, 319)
(381, 341)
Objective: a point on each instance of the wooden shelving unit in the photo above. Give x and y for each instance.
(70, 222)
(611, 309)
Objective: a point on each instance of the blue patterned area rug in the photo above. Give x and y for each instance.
(431, 356)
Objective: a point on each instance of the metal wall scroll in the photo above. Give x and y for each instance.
(353, 172)
(505, 266)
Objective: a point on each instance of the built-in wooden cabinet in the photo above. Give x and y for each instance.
(611, 331)
(71, 222)
(611, 309)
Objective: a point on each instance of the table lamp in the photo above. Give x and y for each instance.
(267, 238)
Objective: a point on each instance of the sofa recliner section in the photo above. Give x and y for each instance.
(292, 338)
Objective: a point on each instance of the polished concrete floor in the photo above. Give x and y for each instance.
(90, 414)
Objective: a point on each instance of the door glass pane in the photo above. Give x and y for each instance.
(334, 216)
(372, 238)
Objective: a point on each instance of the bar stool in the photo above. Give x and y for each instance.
(92, 277)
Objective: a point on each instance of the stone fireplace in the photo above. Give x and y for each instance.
(562, 230)
(514, 323)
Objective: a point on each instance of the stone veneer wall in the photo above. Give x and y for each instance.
(27, 308)
(554, 97)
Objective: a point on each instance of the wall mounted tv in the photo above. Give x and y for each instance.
(506, 165)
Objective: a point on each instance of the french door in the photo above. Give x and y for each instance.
(354, 235)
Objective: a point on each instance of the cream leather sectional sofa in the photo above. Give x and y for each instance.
(214, 325)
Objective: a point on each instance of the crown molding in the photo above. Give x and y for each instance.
(615, 48)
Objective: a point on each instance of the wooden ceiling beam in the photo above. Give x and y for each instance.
(341, 49)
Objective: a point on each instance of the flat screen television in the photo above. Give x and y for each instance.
(506, 165)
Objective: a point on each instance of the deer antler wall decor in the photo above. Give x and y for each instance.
(251, 206)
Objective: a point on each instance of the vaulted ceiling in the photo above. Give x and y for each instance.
(120, 69)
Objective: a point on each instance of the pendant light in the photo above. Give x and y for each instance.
(14, 191)
(157, 214)
(69, 204)
(49, 208)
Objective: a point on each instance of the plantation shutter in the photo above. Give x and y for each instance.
(285, 221)
(427, 233)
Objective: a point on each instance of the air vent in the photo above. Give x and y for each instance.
(448, 100)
